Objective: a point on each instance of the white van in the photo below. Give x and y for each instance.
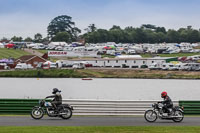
(78, 65)
(154, 66)
(23, 66)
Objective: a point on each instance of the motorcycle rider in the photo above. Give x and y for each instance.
(57, 98)
(167, 102)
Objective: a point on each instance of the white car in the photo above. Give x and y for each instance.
(78, 65)
(23, 66)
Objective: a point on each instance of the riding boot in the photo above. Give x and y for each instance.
(56, 110)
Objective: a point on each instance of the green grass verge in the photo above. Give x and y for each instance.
(100, 73)
(120, 129)
(43, 51)
(170, 55)
(56, 73)
(11, 53)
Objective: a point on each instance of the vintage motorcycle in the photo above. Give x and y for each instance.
(151, 115)
(45, 107)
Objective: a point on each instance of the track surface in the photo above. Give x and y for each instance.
(93, 121)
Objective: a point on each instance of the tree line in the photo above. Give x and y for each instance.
(62, 28)
(147, 33)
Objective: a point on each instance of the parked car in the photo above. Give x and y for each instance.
(4, 66)
(39, 65)
(78, 65)
(165, 66)
(23, 66)
(49, 65)
(154, 66)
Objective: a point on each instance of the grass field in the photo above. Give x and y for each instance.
(11, 53)
(43, 51)
(171, 55)
(124, 129)
(102, 73)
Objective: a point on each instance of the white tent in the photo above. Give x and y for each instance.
(51, 44)
(1, 45)
(128, 56)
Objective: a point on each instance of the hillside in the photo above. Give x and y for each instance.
(12, 53)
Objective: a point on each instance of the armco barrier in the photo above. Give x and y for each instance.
(110, 107)
(190, 107)
(17, 106)
(81, 107)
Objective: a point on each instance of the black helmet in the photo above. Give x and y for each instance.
(55, 90)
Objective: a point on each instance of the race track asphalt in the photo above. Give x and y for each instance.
(93, 121)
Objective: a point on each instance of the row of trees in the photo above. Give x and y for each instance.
(37, 39)
(62, 28)
(145, 34)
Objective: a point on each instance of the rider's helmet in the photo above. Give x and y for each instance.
(55, 90)
(163, 94)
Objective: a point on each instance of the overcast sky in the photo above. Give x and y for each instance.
(28, 17)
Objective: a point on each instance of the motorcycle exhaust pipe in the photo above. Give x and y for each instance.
(62, 113)
(177, 117)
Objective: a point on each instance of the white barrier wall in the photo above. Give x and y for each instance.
(111, 107)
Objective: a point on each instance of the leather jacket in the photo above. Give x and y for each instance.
(167, 101)
(56, 97)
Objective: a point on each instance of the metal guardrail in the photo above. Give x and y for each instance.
(110, 107)
(17, 106)
(190, 107)
(81, 106)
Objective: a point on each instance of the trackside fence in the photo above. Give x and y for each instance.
(190, 107)
(110, 107)
(81, 107)
(17, 106)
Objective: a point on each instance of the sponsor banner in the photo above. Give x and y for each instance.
(73, 53)
(57, 53)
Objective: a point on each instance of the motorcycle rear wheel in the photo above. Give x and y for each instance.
(68, 114)
(150, 116)
(37, 113)
(180, 114)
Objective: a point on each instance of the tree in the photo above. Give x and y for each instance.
(161, 29)
(16, 39)
(91, 28)
(173, 36)
(45, 40)
(148, 26)
(145, 34)
(28, 39)
(63, 23)
(61, 37)
(115, 27)
(38, 38)
(116, 35)
(193, 36)
(160, 37)
(4, 39)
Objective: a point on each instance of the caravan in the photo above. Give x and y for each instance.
(78, 65)
(193, 66)
(155, 66)
(49, 65)
(23, 66)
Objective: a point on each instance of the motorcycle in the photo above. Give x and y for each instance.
(176, 114)
(45, 107)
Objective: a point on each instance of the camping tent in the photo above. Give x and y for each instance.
(1, 45)
(10, 45)
(7, 61)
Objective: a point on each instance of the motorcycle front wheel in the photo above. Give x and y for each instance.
(150, 116)
(37, 113)
(178, 116)
(67, 113)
